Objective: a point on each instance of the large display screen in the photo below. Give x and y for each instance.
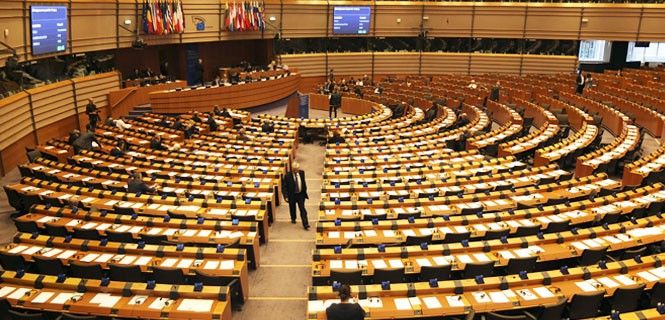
(595, 51)
(48, 26)
(351, 20)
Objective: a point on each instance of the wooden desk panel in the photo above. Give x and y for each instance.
(123, 100)
(238, 96)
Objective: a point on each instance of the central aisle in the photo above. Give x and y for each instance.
(278, 288)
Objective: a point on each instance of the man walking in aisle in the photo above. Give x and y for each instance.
(294, 188)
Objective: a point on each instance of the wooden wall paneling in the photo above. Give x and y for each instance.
(386, 20)
(446, 20)
(498, 21)
(311, 84)
(351, 64)
(444, 62)
(11, 18)
(495, 63)
(652, 26)
(309, 65)
(209, 12)
(92, 26)
(127, 11)
(304, 19)
(552, 22)
(607, 22)
(396, 62)
(14, 153)
(548, 64)
(51, 104)
(14, 118)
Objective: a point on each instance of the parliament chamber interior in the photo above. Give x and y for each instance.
(340, 160)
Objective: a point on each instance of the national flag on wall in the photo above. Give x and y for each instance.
(162, 17)
(244, 16)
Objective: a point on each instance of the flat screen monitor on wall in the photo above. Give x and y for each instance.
(595, 51)
(351, 20)
(49, 29)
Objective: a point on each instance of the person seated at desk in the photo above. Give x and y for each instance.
(119, 149)
(86, 141)
(164, 122)
(212, 124)
(196, 118)
(398, 110)
(462, 121)
(241, 135)
(178, 125)
(430, 115)
(346, 309)
(267, 127)
(217, 111)
(190, 131)
(336, 137)
(156, 143)
(135, 184)
(73, 136)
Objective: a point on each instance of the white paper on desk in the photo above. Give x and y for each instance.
(579, 245)
(42, 297)
(378, 264)
(646, 275)
(586, 286)
(402, 304)
(195, 305)
(442, 261)
(333, 234)
(464, 258)
(103, 226)
(481, 297)
(5, 291)
(526, 294)
(63, 297)
(90, 257)
(236, 234)
(625, 280)
(349, 234)
(159, 303)
(122, 228)
(142, 261)
(592, 243)
(369, 233)
(185, 263)
(127, 260)
(169, 262)
(315, 306)
(432, 302)
(409, 232)
(72, 223)
(498, 297)
(506, 254)
(423, 262)
(388, 233)
(396, 263)
(227, 265)
(607, 282)
(137, 300)
(17, 249)
(658, 272)
(350, 264)
(481, 257)
(47, 219)
(136, 229)
(455, 301)
(543, 292)
(336, 264)
(611, 239)
(104, 257)
(204, 233)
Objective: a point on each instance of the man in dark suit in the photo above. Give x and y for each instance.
(85, 141)
(294, 188)
(494, 94)
(92, 112)
(580, 81)
(335, 103)
(267, 127)
(336, 137)
(135, 184)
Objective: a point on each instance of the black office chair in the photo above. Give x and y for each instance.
(456, 237)
(486, 269)
(626, 299)
(26, 226)
(525, 231)
(657, 294)
(405, 216)
(549, 311)
(20, 315)
(88, 234)
(84, 270)
(557, 226)
(585, 305)
(4, 307)
(168, 275)
(154, 239)
(347, 277)
(441, 273)
(392, 275)
(499, 316)
(591, 256)
(125, 273)
(632, 253)
(416, 240)
(368, 217)
(12, 262)
(496, 234)
(49, 266)
(56, 230)
(123, 237)
(515, 265)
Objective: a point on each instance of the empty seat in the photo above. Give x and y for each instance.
(154, 239)
(56, 230)
(525, 231)
(125, 273)
(591, 256)
(49, 266)
(392, 275)
(486, 269)
(549, 311)
(346, 277)
(496, 234)
(557, 226)
(20, 315)
(626, 299)
(416, 240)
(168, 275)
(26, 226)
(84, 270)
(124, 237)
(515, 265)
(69, 316)
(88, 234)
(585, 305)
(456, 237)
(657, 294)
(441, 273)
(12, 262)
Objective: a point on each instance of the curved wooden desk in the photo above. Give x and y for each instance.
(239, 96)
(350, 104)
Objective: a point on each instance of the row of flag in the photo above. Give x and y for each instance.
(162, 17)
(244, 16)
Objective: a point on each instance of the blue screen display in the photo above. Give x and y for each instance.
(48, 29)
(351, 20)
